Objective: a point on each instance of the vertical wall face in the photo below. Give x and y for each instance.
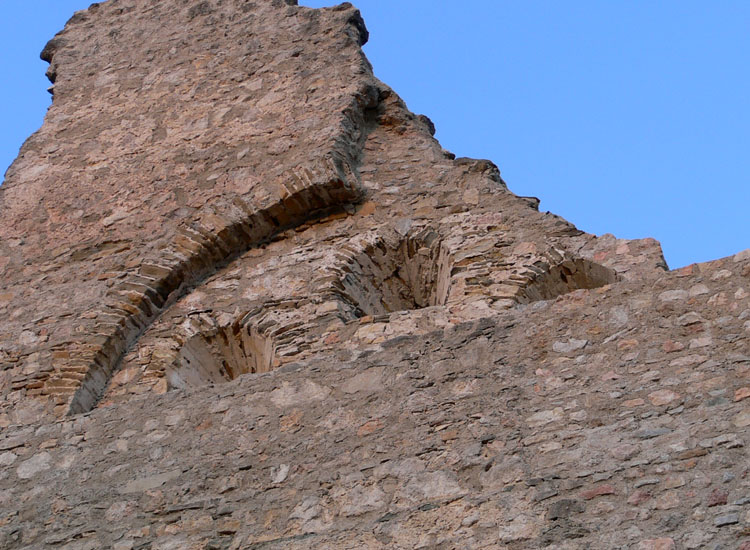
(166, 153)
(231, 192)
(183, 138)
(381, 275)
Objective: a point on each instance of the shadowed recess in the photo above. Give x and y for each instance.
(390, 275)
(220, 356)
(566, 277)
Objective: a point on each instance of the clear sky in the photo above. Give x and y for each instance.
(629, 117)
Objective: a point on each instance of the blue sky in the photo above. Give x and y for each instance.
(624, 116)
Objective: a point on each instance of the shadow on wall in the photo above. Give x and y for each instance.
(384, 275)
(220, 356)
(390, 275)
(566, 277)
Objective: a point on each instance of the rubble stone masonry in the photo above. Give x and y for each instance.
(248, 301)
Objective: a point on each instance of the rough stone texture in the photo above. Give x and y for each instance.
(249, 302)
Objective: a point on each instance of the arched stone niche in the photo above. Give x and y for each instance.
(221, 355)
(392, 273)
(567, 276)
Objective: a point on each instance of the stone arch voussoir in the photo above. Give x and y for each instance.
(386, 271)
(218, 234)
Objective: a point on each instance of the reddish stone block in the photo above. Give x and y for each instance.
(657, 544)
(670, 347)
(639, 497)
(601, 490)
(717, 498)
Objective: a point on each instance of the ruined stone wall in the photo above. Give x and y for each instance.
(170, 161)
(250, 302)
(166, 153)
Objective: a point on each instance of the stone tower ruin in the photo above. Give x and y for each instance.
(248, 301)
